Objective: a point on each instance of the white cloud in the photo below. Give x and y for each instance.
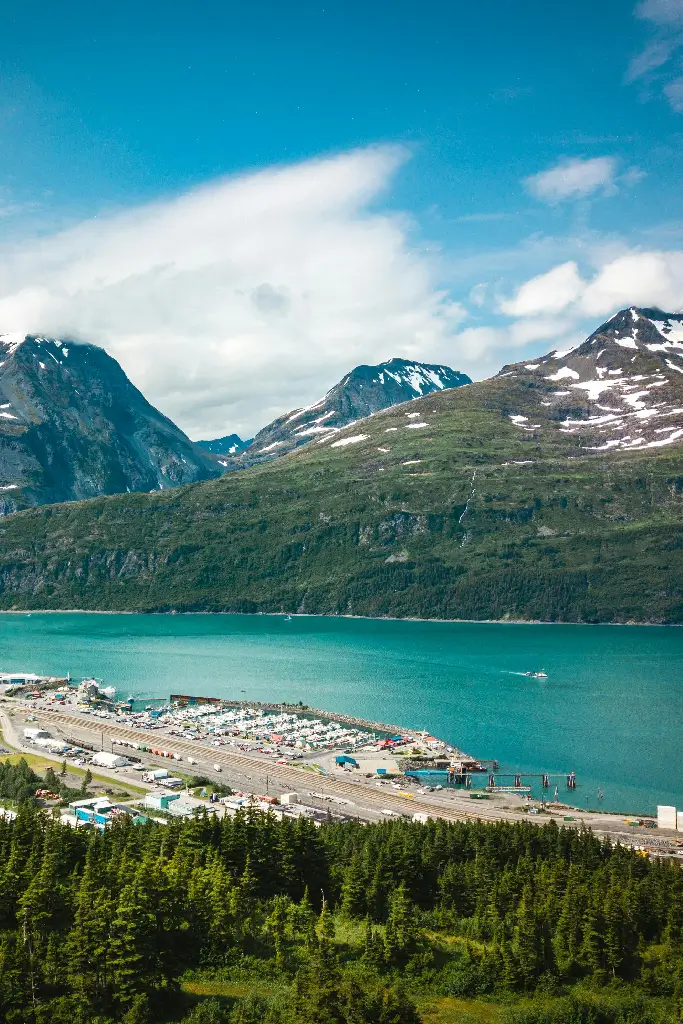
(574, 179)
(661, 12)
(560, 308)
(233, 303)
(665, 18)
(674, 93)
(489, 346)
(636, 279)
(631, 279)
(547, 293)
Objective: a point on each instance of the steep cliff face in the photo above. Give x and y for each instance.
(362, 392)
(73, 426)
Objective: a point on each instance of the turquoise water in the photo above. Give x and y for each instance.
(611, 708)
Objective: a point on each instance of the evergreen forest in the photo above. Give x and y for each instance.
(248, 919)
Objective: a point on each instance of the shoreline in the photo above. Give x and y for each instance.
(313, 615)
(358, 794)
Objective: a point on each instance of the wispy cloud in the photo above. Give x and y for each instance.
(236, 301)
(674, 93)
(664, 19)
(577, 178)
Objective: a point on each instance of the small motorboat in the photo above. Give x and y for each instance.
(536, 675)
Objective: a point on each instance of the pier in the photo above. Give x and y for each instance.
(460, 778)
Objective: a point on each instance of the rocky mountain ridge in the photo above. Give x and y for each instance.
(621, 390)
(360, 393)
(73, 426)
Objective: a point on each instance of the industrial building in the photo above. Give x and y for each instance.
(104, 760)
(670, 818)
(100, 812)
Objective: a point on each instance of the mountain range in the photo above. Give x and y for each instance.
(73, 426)
(362, 392)
(552, 491)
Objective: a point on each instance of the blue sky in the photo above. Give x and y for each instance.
(440, 156)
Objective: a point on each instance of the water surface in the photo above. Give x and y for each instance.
(611, 708)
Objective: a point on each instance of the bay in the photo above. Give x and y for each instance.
(611, 708)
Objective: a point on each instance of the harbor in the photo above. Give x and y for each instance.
(292, 732)
(265, 753)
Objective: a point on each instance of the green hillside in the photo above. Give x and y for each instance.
(445, 508)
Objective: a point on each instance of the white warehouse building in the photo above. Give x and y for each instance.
(104, 760)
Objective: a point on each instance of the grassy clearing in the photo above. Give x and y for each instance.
(433, 1009)
(40, 765)
(233, 989)
(41, 762)
(448, 1010)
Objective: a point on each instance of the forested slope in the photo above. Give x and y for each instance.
(515, 497)
(346, 924)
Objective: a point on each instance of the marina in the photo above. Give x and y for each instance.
(282, 731)
(289, 734)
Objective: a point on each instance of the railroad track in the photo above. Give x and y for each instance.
(293, 775)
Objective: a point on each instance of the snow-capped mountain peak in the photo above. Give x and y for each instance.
(360, 393)
(621, 389)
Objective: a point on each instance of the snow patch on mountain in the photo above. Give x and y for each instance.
(360, 394)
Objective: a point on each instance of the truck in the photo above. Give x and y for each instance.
(155, 774)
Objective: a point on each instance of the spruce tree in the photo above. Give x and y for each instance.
(402, 930)
(614, 929)
(353, 902)
(87, 946)
(525, 944)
